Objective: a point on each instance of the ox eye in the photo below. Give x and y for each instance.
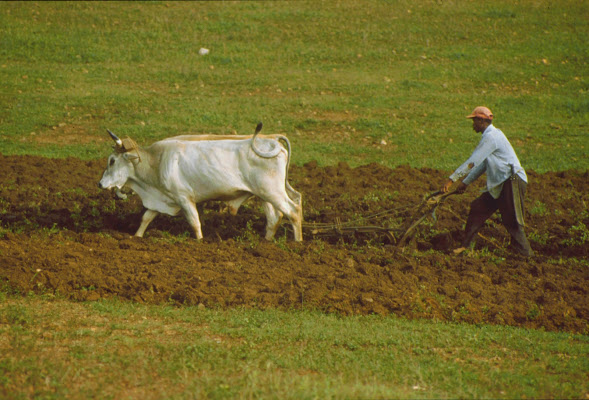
(112, 162)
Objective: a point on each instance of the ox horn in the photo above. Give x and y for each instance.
(259, 127)
(115, 138)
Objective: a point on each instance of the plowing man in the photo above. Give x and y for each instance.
(506, 183)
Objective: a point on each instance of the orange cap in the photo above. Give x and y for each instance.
(481, 112)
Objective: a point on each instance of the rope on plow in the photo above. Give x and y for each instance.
(427, 207)
(340, 228)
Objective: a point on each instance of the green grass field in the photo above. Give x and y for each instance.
(340, 78)
(357, 81)
(111, 349)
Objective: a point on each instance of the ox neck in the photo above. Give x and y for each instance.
(144, 166)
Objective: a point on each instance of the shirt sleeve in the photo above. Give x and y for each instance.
(475, 166)
(475, 172)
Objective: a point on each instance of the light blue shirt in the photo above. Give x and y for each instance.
(495, 156)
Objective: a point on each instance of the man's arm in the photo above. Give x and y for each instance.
(477, 161)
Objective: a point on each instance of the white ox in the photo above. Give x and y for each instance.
(177, 173)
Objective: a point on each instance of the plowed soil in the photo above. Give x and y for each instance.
(60, 234)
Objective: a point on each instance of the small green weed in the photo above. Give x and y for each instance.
(281, 242)
(4, 206)
(579, 235)
(4, 231)
(533, 312)
(539, 209)
(172, 238)
(109, 206)
(540, 238)
(51, 231)
(249, 237)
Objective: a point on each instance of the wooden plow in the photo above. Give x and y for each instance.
(399, 236)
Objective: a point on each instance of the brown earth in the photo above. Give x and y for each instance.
(60, 234)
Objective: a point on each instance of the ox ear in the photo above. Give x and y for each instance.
(131, 157)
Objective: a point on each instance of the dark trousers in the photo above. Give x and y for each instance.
(485, 205)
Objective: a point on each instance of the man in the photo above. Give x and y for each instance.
(506, 183)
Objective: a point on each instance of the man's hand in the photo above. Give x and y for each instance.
(461, 188)
(447, 186)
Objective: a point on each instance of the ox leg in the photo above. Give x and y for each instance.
(273, 218)
(298, 200)
(200, 209)
(191, 214)
(148, 216)
(297, 221)
(293, 209)
(236, 203)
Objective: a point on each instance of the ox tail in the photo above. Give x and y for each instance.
(271, 154)
(257, 150)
